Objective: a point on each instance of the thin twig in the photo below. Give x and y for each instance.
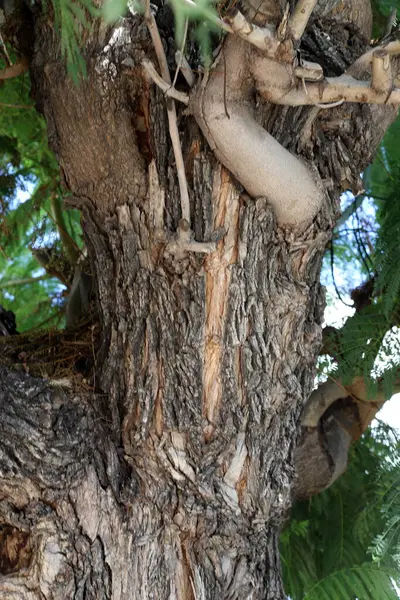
(366, 258)
(157, 43)
(319, 104)
(185, 68)
(350, 210)
(169, 90)
(171, 112)
(179, 63)
(6, 105)
(24, 281)
(5, 52)
(343, 88)
(183, 241)
(300, 17)
(332, 257)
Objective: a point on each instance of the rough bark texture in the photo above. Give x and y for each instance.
(174, 479)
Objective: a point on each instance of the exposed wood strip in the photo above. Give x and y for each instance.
(218, 275)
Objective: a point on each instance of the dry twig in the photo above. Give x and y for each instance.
(168, 90)
(171, 111)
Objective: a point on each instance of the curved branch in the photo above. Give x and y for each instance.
(224, 108)
(350, 210)
(320, 400)
(167, 88)
(334, 416)
(320, 458)
(329, 392)
(15, 70)
(256, 159)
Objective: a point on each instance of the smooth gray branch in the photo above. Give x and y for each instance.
(168, 90)
(298, 21)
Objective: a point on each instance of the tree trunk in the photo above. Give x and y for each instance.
(173, 479)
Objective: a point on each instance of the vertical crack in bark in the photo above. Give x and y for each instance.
(218, 276)
(183, 577)
(158, 407)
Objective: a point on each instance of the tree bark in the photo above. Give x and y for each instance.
(173, 479)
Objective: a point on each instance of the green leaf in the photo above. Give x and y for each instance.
(113, 10)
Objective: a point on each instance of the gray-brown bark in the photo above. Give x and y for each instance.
(174, 479)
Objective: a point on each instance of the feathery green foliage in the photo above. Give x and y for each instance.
(388, 247)
(29, 184)
(28, 225)
(71, 18)
(330, 547)
(367, 237)
(385, 548)
(360, 341)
